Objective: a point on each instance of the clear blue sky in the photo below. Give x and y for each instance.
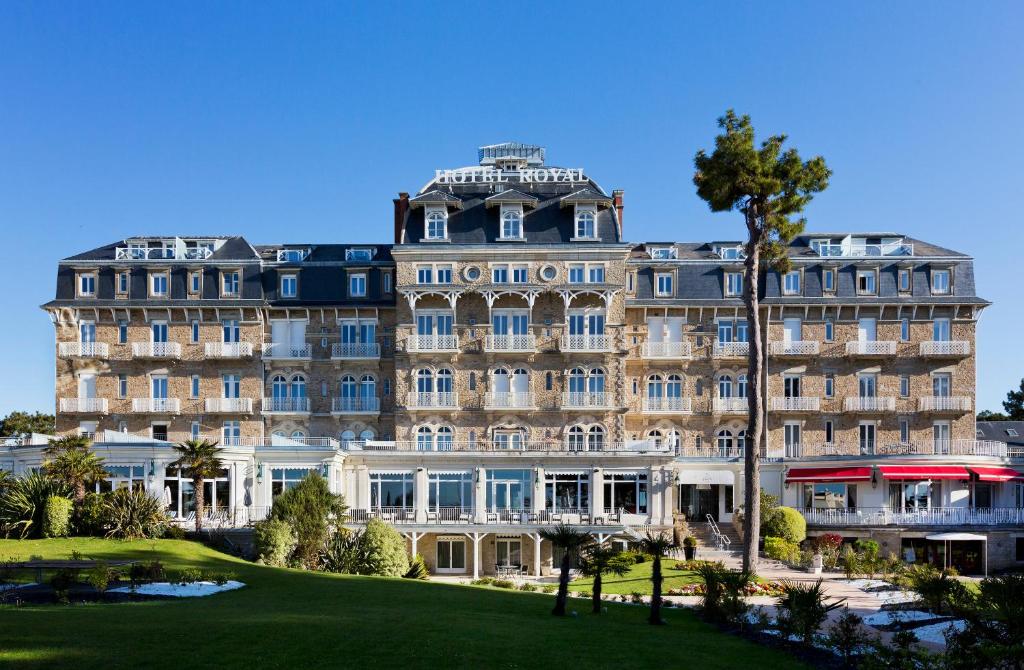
(300, 121)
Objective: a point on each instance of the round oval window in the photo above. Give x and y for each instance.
(472, 273)
(548, 272)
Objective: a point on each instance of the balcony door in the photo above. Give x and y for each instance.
(158, 384)
(940, 330)
(866, 433)
(791, 386)
(791, 330)
(87, 332)
(433, 323)
(941, 437)
(159, 330)
(451, 554)
(791, 439)
(867, 329)
(867, 385)
(87, 385)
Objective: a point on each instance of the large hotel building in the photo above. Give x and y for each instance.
(511, 361)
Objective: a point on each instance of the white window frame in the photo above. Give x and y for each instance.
(194, 331)
(430, 215)
(289, 285)
(357, 285)
(87, 284)
(828, 280)
(386, 280)
(578, 218)
(900, 287)
(904, 386)
(507, 211)
(870, 282)
(787, 288)
(195, 282)
(937, 288)
(234, 287)
(153, 277)
(904, 329)
(663, 284)
(830, 385)
(124, 282)
(733, 284)
(830, 330)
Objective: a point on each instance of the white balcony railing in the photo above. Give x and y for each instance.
(507, 400)
(863, 249)
(229, 405)
(228, 349)
(586, 400)
(931, 516)
(510, 343)
(286, 405)
(83, 350)
(669, 404)
(944, 404)
(731, 349)
(593, 343)
(946, 348)
(156, 350)
(283, 351)
(417, 342)
(795, 348)
(729, 405)
(83, 405)
(432, 400)
(356, 405)
(870, 404)
(871, 348)
(156, 405)
(666, 350)
(355, 350)
(801, 404)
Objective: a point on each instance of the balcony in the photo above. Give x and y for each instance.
(872, 348)
(432, 400)
(586, 400)
(946, 349)
(229, 405)
(356, 405)
(429, 343)
(869, 404)
(287, 352)
(667, 405)
(794, 348)
(498, 400)
(665, 350)
(228, 349)
(929, 448)
(354, 351)
(510, 343)
(952, 404)
(83, 350)
(731, 349)
(156, 405)
(156, 350)
(932, 516)
(710, 452)
(632, 447)
(83, 405)
(586, 343)
(799, 404)
(729, 405)
(286, 405)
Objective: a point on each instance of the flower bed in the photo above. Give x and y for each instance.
(772, 589)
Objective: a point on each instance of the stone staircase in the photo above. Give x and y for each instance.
(707, 546)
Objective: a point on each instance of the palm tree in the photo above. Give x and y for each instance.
(76, 467)
(656, 544)
(600, 560)
(571, 541)
(200, 460)
(59, 445)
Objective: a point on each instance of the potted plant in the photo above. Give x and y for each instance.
(690, 547)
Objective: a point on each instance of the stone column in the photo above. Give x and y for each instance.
(480, 496)
(596, 493)
(421, 495)
(538, 489)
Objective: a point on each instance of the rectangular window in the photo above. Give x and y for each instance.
(866, 282)
(904, 386)
(158, 284)
(194, 332)
(663, 284)
(576, 273)
(830, 385)
(289, 286)
(940, 282)
(830, 333)
(195, 281)
(791, 283)
(425, 274)
(195, 429)
(87, 285)
(122, 283)
(940, 330)
(194, 391)
(904, 430)
(444, 274)
(904, 280)
(87, 332)
(232, 386)
(734, 283)
(499, 274)
(942, 384)
(357, 285)
(122, 386)
(519, 274)
(830, 432)
(387, 282)
(905, 330)
(231, 281)
(230, 331)
(122, 332)
(595, 274)
(231, 434)
(828, 280)
(630, 282)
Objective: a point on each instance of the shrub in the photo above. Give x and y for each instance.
(62, 581)
(689, 541)
(220, 578)
(850, 562)
(90, 517)
(189, 576)
(308, 507)
(23, 504)
(549, 588)
(343, 552)
(417, 568)
(691, 565)
(994, 632)
(722, 600)
(867, 547)
(828, 545)
(57, 517)
(383, 550)
(636, 598)
(134, 514)
(99, 576)
(803, 609)
(847, 637)
(527, 586)
(938, 590)
(482, 581)
(786, 523)
(273, 541)
(635, 556)
(780, 549)
(175, 532)
(503, 584)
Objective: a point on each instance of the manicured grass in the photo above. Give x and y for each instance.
(293, 619)
(638, 579)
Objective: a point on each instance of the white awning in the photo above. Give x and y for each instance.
(957, 537)
(706, 476)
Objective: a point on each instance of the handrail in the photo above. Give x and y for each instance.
(723, 542)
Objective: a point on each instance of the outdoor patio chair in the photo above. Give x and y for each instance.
(432, 517)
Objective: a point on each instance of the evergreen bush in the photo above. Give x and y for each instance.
(786, 523)
(274, 541)
(57, 517)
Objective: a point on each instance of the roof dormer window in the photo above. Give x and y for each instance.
(729, 253)
(436, 224)
(358, 254)
(511, 222)
(663, 253)
(586, 224)
(941, 281)
(292, 255)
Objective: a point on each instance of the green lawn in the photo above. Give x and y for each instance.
(293, 619)
(638, 579)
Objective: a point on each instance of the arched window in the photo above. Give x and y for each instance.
(520, 381)
(298, 386)
(549, 381)
(577, 380)
(347, 436)
(576, 439)
(278, 433)
(298, 435)
(279, 387)
(741, 441)
(655, 388)
(472, 381)
(500, 382)
(424, 381)
(585, 225)
(595, 438)
(655, 437)
(424, 439)
(444, 381)
(445, 438)
(366, 435)
(725, 386)
(741, 386)
(596, 381)
(347, 387)
(368, 387)
(674, 440)
(436, 226)
(724, 441)
(511, 226)
(674, 386)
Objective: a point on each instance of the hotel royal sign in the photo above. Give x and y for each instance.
(489, 175)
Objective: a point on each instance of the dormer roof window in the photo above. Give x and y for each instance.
(435, 224)
(663, 253)
(359, 254)
(292, 255)
(586, 224)
(510, 196)
(847, 246)
(511, 223)
(436, 198)
(729, 252)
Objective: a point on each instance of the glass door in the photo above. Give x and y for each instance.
(451, 555)
(867, 438)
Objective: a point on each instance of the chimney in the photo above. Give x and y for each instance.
(617, 203)
(401, 207)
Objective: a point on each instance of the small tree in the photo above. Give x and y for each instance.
(769, 187)
(803, 608)
(309, 507)
(571, 541)
(656, 544)
(200, 460)
(18, 424)
(383, 550)
(599, 560)
(1014, 403)
(73, 463)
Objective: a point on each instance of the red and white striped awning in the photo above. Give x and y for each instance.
(924, 471)
(994, 473)
(828, 475)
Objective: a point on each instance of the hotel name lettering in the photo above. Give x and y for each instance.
(522, 175)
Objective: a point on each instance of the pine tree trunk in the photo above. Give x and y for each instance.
(563, 586)
(199, 485)
(755, 400)
(656, 579)
(79, 492)
(597, 592)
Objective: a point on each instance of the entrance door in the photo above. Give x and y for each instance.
(707, 502)
(451, 555)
